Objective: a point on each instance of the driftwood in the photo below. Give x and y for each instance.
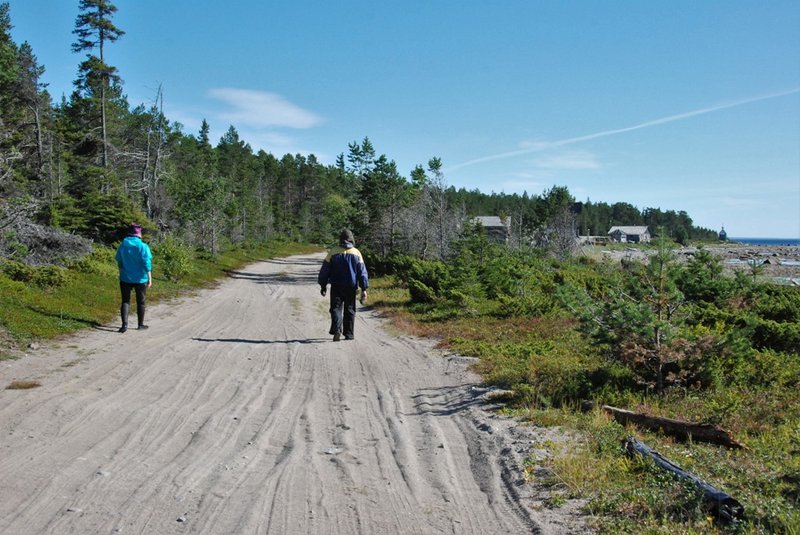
(721, 504)
(676, 428)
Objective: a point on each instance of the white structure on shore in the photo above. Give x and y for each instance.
(629, 234)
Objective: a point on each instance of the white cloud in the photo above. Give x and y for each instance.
(262, 109)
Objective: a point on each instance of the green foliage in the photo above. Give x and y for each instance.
(420, 292)
(99, 216)
(47, 277)
(702, 279)
(647, 324)
(780, 336)
(174, 258)
(427, 279)
(778, 303)
(50, 277)
(17, 271)
(99, 262)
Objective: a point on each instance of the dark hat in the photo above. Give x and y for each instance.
(135, 230)
(346, 235)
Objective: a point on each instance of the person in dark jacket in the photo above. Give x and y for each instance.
(134, 260)
(344, 269)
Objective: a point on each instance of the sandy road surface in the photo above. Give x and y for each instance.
(235, 413)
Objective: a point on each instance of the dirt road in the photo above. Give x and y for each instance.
(236, 414)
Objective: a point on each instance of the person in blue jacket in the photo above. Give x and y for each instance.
(134, 260)
(344, 269)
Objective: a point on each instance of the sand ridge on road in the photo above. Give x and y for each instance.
(236, 413)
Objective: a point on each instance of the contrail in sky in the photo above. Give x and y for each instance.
(669, 119)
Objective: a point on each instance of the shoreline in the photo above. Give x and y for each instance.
(777, 262)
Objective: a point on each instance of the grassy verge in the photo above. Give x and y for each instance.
(48, 302)
(550, 365)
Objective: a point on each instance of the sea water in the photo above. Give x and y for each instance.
(775, 242)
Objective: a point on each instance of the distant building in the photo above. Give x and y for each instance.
(497, 229)
(723, 236)
(629, 234)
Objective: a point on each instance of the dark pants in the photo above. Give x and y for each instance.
(343, 310)
(125, 288)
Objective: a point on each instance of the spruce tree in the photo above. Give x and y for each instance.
(94, 29)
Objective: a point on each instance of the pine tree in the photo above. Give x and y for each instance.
(94, 29)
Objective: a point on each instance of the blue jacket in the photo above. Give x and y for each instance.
(134, 260)
(344, 266)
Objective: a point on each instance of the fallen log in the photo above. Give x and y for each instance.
(721, 504)
(676, 428)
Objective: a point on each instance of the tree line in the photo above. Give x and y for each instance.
(91, 163)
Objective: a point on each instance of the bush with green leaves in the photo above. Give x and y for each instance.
(17, 271)
(642, 320)
(103, 217)
(100, 261)
(702, 279)
(174, 259)
(780, 336)
(427, 280)
(43, 277)
(50, 277)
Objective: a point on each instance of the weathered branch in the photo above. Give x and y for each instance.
(721, 504)
(676, 428)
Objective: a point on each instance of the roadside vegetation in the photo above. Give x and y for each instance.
(663, 338)
(44, 302)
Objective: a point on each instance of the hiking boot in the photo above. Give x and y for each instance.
(143, 327)
(337, 337)
(123, 329)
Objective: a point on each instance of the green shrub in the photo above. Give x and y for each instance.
(18, 271)
(100, 261)
(174, 258)
(420, 292)
(43, 277)
(779, 303)
(427, 280)
(50, 277)
(769, 334)
(103, 217)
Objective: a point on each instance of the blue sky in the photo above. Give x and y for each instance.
(680, 105)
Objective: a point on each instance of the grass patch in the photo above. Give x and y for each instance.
(23, 385)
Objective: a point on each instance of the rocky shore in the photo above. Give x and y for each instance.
(780, 263)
